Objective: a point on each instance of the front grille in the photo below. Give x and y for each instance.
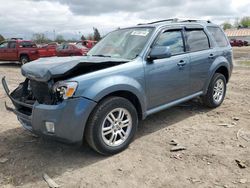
(41, 92)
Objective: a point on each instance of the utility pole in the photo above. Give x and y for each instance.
(54, 34)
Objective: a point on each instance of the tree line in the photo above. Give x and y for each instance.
(238, 23)
(40, 38)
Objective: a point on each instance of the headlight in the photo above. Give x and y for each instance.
(65, 89)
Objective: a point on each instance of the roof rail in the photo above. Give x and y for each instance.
(175, 20)
(190, 20)
(166, 20)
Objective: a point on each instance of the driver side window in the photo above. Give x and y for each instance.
(172, 39)
(4, 45)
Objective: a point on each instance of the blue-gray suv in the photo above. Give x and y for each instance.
(130, 74)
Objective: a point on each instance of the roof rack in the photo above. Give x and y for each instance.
(175, 20)
(166, 20)
(207, 21)
(16, 38)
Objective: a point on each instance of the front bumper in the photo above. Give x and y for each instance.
(69, 117)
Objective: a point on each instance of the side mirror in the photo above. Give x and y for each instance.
(159, 52)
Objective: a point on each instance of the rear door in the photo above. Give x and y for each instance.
(168, 79)
(72, 50)
(65, 50)
(223, 47)
(201, 57)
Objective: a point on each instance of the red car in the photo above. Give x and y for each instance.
(48, 50)
(238, 43)
(88, 43)
(18, 50)
(71, 50)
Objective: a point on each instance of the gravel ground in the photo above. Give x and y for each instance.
(214, 140)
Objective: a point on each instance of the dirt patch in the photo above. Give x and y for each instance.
(208, 161)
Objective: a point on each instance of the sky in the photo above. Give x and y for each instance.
(72, 18)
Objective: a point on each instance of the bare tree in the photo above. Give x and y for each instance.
(83, 37)
(1, 38)
(59, 39)
(40, 38)
(97, 35)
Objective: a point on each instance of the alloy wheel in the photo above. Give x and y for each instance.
(116, 127)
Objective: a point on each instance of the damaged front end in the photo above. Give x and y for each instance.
(45, 103)
(49, 93)
(26, 95)
(42, 109)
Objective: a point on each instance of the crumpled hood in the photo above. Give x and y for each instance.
(45, 69)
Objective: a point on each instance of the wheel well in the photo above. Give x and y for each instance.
(223, 70)
(21, 55)
(129, 96)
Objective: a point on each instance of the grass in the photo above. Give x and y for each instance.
(245, 63)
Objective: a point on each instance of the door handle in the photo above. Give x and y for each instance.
(181, 63)
(211, 56)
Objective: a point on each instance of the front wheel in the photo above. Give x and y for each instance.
(112, 125)
(216, 91)
(24, 59)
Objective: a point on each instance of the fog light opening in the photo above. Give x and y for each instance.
(50, 127)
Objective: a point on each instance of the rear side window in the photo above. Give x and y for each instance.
(219, 36)
(27, 44)
(172, 39)
(65, 47)
(197, 40)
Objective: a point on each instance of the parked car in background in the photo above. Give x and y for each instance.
(130, 74)
(18, 50)
(48, 50)
(71, 50)
(53, 44)
(88, 43)
(239, 43)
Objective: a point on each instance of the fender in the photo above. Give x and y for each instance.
(218, 62)
(105, 86)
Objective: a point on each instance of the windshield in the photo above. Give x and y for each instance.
(124, 43)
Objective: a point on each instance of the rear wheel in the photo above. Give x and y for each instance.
(24, 59)
(216, 91)
(112, 125)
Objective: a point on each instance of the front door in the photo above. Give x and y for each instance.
(168, 79)
(11, 51)
(3, 48)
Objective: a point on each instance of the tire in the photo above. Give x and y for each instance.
(101, 140)
(214, 97)
(24, 59)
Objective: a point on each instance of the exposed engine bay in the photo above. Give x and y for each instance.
(30, 91)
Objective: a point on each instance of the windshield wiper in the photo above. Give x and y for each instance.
(101, 55)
